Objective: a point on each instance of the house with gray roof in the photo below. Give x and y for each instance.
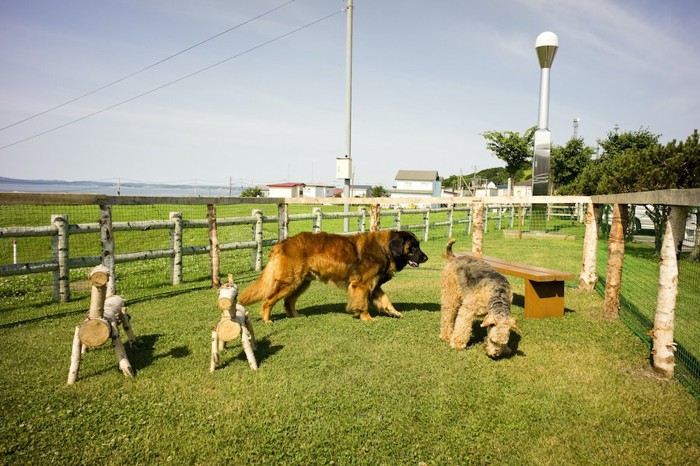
(417, 183)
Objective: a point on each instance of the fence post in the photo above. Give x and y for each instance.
(60, 252)
(361, 219)
(257, 237)
(520, 221)
(397, 218)
(616, 257)
(213, 246)
(374, 217)
(316, 225)
(486, 219)
(500, 215)
(664, 316)
(478, 232)
(512, 216)
(176, 246)
(282, 221)
(426, 223)
(470, 217)
(107, 242)
(588, 277)
(450, 220)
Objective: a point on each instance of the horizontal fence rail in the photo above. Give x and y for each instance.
(604, 217)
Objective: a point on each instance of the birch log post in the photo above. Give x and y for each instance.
(213, 246)
(450, 219)
(107, 243)
(94, 331)
(122, 359)
(176, 244)
(426, 225)
(664, 318)
(76, 353)
(588, 277)
(478, 228)
(361, 219)
(257, 256)
(374, 217)
(397, 218)
(282, 221)
(317, 223)
(59, 246)
(520, 221)
(616, 256)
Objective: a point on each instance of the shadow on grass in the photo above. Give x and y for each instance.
(339, 308)
(263, 351)
(479, 336)
(143, 355)
(519, 300)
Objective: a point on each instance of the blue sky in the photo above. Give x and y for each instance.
(428, 79)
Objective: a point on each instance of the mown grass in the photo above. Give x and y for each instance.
(334, 390)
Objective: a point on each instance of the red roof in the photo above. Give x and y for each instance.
(284, 185)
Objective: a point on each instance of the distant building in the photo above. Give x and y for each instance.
(286, 189)
(417, 183)
(318, 190)
(522, 189)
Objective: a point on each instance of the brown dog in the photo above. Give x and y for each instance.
(360, 263)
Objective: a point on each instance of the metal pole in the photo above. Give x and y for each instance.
(348, 106)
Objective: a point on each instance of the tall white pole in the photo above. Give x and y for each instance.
(348, 104)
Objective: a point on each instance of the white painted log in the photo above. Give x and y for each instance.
(588, 277)
(214, 351)
(247, 336)
(107, 243)
(75, 358)
(664, 318)
(213, 245)
(122, 359)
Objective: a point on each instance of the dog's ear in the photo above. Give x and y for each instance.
(488, 320)
(396, 245)
(514, 325)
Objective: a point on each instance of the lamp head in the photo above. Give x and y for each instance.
(546, 45)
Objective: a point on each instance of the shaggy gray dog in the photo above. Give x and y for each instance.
(471, 288)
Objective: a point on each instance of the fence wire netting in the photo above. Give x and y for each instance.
(145, 233)
(640, 282)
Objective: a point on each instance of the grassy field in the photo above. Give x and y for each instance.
(332, 389)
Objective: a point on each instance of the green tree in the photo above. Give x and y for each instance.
(252, 191)
(636, 161)
(515, 150)
(379, 191)
(567, 163)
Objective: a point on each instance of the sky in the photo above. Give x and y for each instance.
(266, 101)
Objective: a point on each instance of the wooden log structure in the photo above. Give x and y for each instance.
(588, 277)
(231, 326)
(102, 323)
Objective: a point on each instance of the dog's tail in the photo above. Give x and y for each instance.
(448, 254)
(257, 290)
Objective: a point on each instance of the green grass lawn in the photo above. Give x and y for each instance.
(335, 390)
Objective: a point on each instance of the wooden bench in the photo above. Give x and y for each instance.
(544, 288)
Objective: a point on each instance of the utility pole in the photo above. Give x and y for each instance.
(344, 164)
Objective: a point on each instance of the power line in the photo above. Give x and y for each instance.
(146, 68)
(174, 81)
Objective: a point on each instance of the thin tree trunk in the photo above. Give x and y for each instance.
(664, 317)
(588, 277)
(213, 246)
(616, 256)
(478, 230)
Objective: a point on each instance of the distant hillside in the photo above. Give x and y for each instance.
(497, 175)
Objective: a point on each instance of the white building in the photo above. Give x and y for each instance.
(286, 189)
(318, 190)
(417, 183)
(522, 189)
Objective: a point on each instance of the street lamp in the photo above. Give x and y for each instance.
(546, 45)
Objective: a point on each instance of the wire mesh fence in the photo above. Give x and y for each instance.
(144, 244)
(640, 282)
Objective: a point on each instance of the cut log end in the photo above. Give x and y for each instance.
(94, 332)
